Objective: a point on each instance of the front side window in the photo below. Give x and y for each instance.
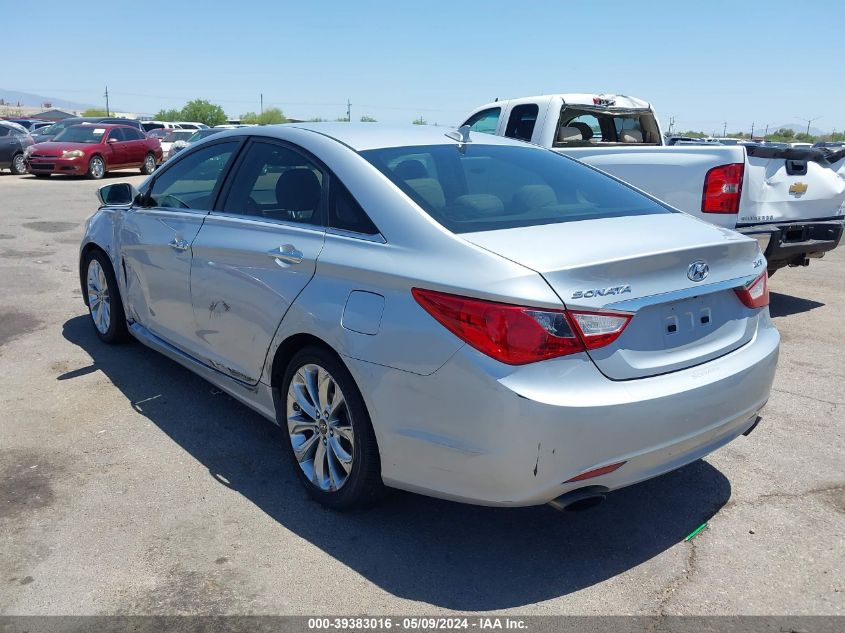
(485, 121)
(190, 183)
(521, 121)
(490, 187)
(277, 183)
(131, 134)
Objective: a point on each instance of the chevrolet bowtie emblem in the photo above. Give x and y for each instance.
(798, 188)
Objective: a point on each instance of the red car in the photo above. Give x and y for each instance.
(92, 150)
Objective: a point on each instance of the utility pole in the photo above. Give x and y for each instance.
(106, 95)
(348, 110)
(262, 103)
(725, 129)
(752, 129)
(810, 121)
(671, 124)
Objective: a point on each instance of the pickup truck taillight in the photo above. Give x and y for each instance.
(722, 189)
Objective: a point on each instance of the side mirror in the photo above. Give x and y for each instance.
(112, 140)
(120, 194)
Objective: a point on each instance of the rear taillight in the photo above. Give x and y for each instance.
(517, 335)
(755, 294)
(722, 189)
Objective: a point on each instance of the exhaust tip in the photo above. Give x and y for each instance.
(580, 499)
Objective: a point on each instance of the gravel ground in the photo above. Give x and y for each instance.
(130, 486)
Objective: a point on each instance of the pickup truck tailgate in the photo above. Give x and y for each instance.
(789, 185)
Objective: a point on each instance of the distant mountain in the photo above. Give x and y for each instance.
(28, 99)
(797, 127)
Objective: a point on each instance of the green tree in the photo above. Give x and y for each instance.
(420, 121)
(367, 119)
(204, 112)
(316, 119)
(785, 132)
(268, 117)
(342, 119)
(94, 112)
(169, 115)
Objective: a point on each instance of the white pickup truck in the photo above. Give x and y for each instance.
(791, 200)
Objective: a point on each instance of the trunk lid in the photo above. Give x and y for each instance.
(789, 185)
(639, 264)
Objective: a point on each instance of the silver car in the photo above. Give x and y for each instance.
(455, 314)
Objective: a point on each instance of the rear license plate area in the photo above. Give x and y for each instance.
(687, 320)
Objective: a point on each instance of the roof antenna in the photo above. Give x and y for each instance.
(461, 134)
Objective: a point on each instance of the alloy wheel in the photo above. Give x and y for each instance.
(320, 427)
(20, 164)
(99, 298)
(149, 163)
(98, 168)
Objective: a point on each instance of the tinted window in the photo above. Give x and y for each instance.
(485, 121)
(131, 134)
(117, 134)
(5, 131)
(191, 181)
(489, 187)
(345, 212)
(521, 121)
(277, 183)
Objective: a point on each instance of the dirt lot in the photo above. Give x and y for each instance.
(128, 485)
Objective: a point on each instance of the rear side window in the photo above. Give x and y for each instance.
(521, 121)
(345, 213)
(478, 187)
(190, 183)
(131, 134)
(485, 121)
(276, 183)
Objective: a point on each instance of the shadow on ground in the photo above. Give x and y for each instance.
(781, 305)
(450, 555)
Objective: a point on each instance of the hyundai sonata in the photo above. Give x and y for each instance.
(455, 314)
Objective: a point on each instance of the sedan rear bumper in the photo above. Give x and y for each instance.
(481, 432)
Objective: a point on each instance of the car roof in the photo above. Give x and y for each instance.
(107, 126)
(364, 136)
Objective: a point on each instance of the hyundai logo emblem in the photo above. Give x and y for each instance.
(698, 271)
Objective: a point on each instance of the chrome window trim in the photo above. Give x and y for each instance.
(313, 228)
(377, 238)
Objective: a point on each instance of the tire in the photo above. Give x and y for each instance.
(772, 271)
(149, 164)
(361, 484)
(103, 298)
(96, 168)
(18, 166)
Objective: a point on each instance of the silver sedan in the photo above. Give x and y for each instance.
(445, 312)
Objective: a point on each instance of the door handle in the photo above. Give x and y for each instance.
(286, 253)
(178, 244)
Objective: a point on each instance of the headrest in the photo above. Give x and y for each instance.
(411, 168)
(429, 190)
(565, 134)
(529, 197)
(477, 205)
(631, 136)
(586, 130)
(298, 190)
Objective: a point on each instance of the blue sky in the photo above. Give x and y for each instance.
(701, 62)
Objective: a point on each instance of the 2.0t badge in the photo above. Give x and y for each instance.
(698, 271)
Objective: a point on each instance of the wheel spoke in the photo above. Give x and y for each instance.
(311, 376)
(320, 463)
(301, 397)
(298, 424)
(325, 386)
(336, 405)
(346, 433)
(343, 458)
(304, 450)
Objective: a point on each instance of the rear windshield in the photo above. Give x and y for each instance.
(471, 188)
(81, 134)
(584, 126)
